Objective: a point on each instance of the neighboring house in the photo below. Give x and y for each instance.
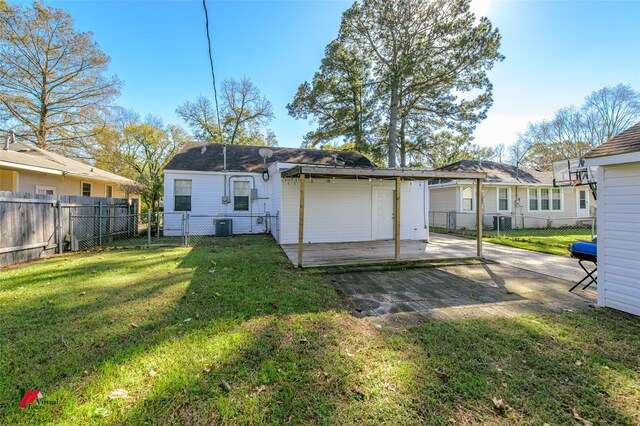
(618, 178)
(528, 196)
(263, 194)
(26, 168)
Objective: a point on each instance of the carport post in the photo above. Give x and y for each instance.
(479, 215)
(396, 213)
(301, 221)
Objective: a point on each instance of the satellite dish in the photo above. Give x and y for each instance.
(265, 153)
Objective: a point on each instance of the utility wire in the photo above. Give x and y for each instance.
(213, 75)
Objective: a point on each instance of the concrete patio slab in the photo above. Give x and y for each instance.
(457, 292)
(440, 246)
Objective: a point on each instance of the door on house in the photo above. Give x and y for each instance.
(382, 220)
(582, 200)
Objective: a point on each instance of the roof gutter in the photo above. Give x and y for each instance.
(31, 168)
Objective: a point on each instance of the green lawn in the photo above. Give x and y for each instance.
(552, 241)
(169, 325)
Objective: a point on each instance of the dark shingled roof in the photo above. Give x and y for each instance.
(623, 143)
(246, 158)
(500, 173)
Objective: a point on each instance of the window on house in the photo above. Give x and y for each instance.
(182, 195)
(241, 196)
(533, 199)
(583, 200)
(467, 199)
(556, 203)
(503, 199)
(108, 191)
(544, 199)
(86, 189)
(45, 190)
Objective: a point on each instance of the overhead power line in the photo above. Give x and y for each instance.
(213, 74)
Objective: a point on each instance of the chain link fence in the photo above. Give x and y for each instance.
(187, 229)
(111, 223)
(554, 231)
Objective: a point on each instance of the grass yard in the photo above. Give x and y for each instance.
(552, 241)
(230, 334)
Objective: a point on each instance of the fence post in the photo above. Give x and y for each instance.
(149, 228)
(593, 227)
(184, 241)
(186, 234)
(73, 244)
(498, 226)
(100, 223)
(157, 227)
(59, 217)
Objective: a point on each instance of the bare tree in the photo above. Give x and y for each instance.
(52, 82)
(245, 115)
(611, 110)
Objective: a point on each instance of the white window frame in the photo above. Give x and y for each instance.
(561, 191)
(105, 191)
(473, 199)
(46, 188)
(175, 181)
(82, 183)
(233, 196)
(550, 198)
(509, 201)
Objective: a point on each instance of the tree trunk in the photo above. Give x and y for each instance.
(403, 146)
(393, 125)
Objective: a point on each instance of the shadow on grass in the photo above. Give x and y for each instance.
(234, 311)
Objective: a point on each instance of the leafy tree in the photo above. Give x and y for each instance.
(244, 116)
(139, 150)
(428, 66)
(338, 99)
(53, 86)
(445, 148)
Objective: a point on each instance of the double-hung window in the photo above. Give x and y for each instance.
(503, 199)
(182, 195)
(556, 199)
(467, 199)
(545, 199)
(86, 189)
(241, 195)
(533, 199)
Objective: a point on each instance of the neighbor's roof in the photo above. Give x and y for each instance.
(25, 156)
(501, 173)
(198, 156)
(626, 142)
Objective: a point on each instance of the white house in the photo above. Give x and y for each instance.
(527, 196)
(618, 180)
(342, 196)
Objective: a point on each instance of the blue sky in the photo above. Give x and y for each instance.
(557, 52)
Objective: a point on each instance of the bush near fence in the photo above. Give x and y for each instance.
(35, 225)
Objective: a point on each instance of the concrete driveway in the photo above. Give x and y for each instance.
(457, 292)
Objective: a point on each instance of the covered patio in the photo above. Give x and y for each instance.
(439, 247)
(322, 254)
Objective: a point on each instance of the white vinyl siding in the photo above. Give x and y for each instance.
(342, 211)
(619, 237)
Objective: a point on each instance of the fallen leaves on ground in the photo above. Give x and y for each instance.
(118, 393)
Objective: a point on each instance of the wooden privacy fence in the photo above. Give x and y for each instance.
(35, 225)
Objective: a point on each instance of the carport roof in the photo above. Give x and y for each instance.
(379, 173)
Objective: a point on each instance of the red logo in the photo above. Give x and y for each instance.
(30, 397)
